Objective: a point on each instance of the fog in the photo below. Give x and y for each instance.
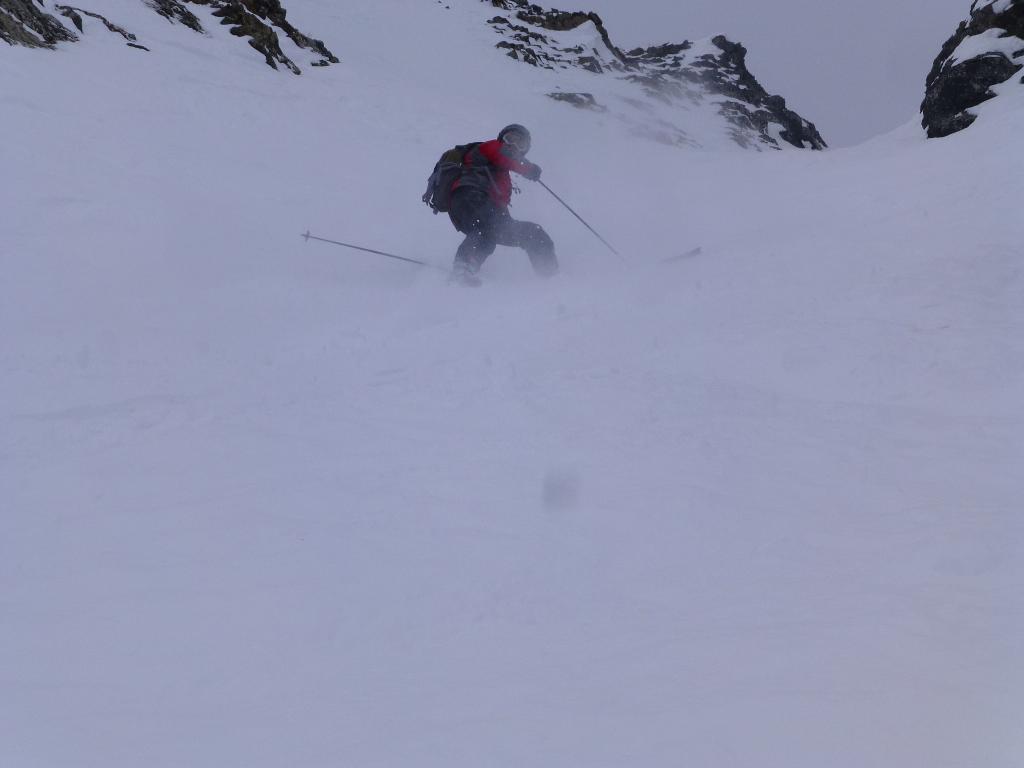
(854, 69)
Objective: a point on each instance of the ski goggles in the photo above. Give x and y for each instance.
(519, 141)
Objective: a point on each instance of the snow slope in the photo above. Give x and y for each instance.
(269, 503)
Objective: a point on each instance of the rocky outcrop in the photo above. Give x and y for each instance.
(680, 74)
(173, 10)
(525, 41)
(579, 100)
(261, 36)
(750, 108)
(256, 19)
(985, 51)
(76, 14)
(24, 22)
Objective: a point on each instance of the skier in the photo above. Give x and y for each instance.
(479, 206)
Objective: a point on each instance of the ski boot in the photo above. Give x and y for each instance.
(464, 273)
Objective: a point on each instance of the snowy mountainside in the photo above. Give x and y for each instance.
(980, 61)
(688, 94)
(271, 503)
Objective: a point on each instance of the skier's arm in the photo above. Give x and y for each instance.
(497, 153)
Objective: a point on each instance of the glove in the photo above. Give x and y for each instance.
(533, 172)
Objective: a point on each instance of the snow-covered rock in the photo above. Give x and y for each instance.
(679, 76)
(986, 51)
(22, 22)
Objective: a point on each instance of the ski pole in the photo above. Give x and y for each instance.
(579, 217)
(309, 237)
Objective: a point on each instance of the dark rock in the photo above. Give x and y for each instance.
(174, 10)
(273, 11)
(953, 88)
(75, 14)
(752, 108)
(256, 19)
(579, 100)
(261, 36)
(553, 21)
(659, 52)
(22, 23)
(72, 14)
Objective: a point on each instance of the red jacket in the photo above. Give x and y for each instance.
(487, 167)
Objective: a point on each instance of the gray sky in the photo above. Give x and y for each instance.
(855, 69)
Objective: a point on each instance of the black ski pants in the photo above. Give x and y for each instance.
(487, 225)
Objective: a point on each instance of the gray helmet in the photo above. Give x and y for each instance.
(522, 144)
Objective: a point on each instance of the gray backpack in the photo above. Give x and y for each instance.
(446, 172)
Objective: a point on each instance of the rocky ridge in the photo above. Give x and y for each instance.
(23, 23)
(27, 22)
(986, 50)
(679, 94)
(680, 74)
